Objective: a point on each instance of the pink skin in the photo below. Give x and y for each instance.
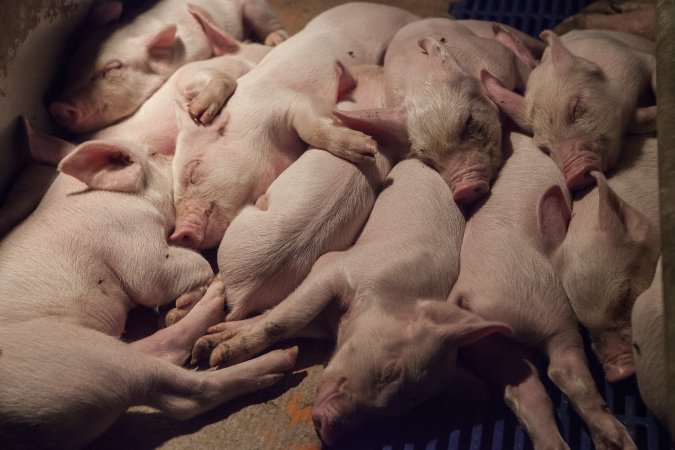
(201, 87)
(468, 191)
(415, 331)
(319, 205)
(649, 344)
(583, 98)
(606, 251)
(100, 235)
(119, 65)
(578, 163)
(268, 128)
(504, 258)
(437, 63)
(435, 103)
(191, 232)
(468, 184)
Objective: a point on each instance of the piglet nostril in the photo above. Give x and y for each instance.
(64, 114)
(183, 238)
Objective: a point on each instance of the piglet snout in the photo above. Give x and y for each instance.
(578, 163)
(467, 192)
(327, 426)
(189, 231)
(580, 176)
(65, 114)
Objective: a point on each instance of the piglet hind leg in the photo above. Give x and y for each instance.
(66, 388)
(568, 369)
(313, 120)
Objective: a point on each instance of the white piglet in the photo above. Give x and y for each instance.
(94, 248)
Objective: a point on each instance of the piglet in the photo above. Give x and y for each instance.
(317, 205)
(279, 108)
(94, 248)
(605, 249)
(201, 87)
(505, 274)
(121, 63)
(649, 344)
(589, 90)
(396, 335)
(434, 97)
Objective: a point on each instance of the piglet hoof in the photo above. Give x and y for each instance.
(184, 304)
(612, 435)
(352, 145)
(173, 317)
(202, 349)
(276, 37)
(206, 105)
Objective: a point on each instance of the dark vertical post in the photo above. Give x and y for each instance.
(665, 68)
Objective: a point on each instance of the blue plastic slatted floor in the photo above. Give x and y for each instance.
(442, 424)
(530, 16)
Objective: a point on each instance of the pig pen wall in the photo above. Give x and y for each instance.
(32, 33)
(31, 38)
(665, 72)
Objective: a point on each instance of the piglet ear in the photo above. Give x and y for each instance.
(104, 165)
(509, 102)
(454, 325)
(618, 218)
(509, 40)
(183, 119)
(345, 80)
(643, 120)
(561, 57)
(161, 45)
(432, 47)
(388, 126)
(554, 215)
(104, 13)
(222, 43)
(44, 147)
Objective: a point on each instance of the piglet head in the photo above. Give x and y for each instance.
(604, 266)
(122, 166)
(110, 75)
(386, 365)
(207, 193)
(456, 129)
(573, 115)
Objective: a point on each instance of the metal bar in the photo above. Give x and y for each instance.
(665, 73)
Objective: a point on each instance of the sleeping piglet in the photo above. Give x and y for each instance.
(384, 300)
(279, 108)
(119, 64)
(605, 250)
(95, 247)
(591, 88)
(435, 99)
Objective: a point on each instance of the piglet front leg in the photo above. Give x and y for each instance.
(313, 120)
(518, 380)
(569, 371)
(235, 342)
(175, 342)
(206, 94)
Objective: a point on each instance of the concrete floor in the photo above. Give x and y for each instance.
(280, 417)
